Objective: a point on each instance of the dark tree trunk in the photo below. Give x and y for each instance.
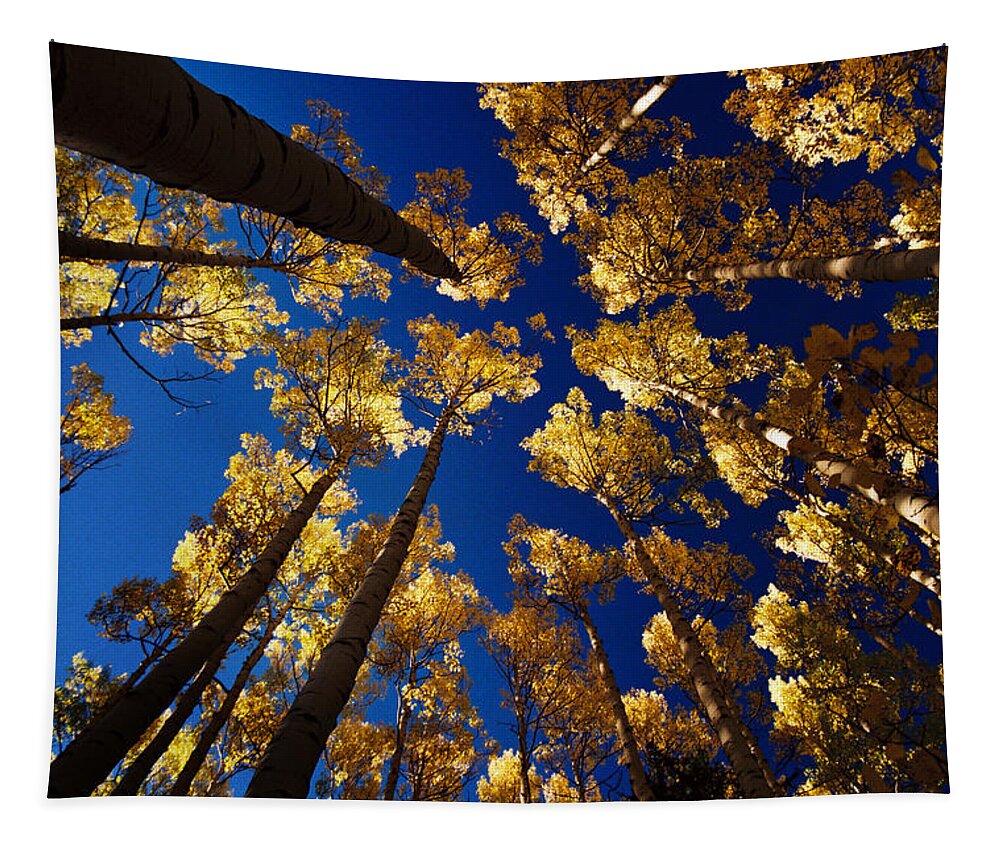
(732, 734)
(136, 774)
(626, 737)
(73, 247)
(91, 756)
(146, 114)
(207, 738)
(288, 763)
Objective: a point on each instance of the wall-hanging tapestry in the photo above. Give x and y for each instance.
(511, 442)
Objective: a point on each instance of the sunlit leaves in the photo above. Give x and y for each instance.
(93, 197)
(90, 432)
(872, 106)
(645, 359)
(488, 257)
(263, 487)
(702, 211)
(736, 663)
(356, 753)
(334, 394)
(866, 723)
(918, 221)
(557, 126)
(620, 459)
(85, 289)
(538, 659)
(221, 313)
(559, 566)
(85, 693)
(466, 371)
(502, 783)
(657, 725)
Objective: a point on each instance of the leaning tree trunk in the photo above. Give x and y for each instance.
(733, 735)
(906, 265)
(137, 772)
(915, 577)
(915, 508)
(72, 247)
(929, 580)
(287, 765)
(207, 737)
(91, 756)
(108, 320)
(629, 121)
(626, 736)
(147, 114)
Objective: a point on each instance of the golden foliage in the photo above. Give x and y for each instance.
(873, 106)
(657, 725)
(334, 395)
(866, 724)
(90, 432)
(488, 257)
(222, 313)
(701, 212)
(465, 372)
(560, 566)
(621, 460)
(557, 126)
(502, 784)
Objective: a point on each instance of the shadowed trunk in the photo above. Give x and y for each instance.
(402, 722)
(73, 247)
(626, 736)
(207, 738)
(146, 114)
(920, 510)
(91, 756)
(629, 121)
(138, 771)
(733, 735)
(287, 765)
(106, 320)
(523, 764)
(906, 265)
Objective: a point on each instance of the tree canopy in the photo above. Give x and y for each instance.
(581, 448)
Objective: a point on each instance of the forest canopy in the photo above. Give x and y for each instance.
(584, 451)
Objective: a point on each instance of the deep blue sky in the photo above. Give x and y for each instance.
(126, 520)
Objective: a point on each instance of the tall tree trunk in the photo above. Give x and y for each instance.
(732, 733)
(72, 247)
(147, 114)
(402, 722)
(915, 508)
(777, 788)
(208, 736)
(288, 763)
(908, 264)
(103, 320)
(136, 774)
(523, 763)
(133, 678)
(629, 121)
(91, 756)
(626, 736)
